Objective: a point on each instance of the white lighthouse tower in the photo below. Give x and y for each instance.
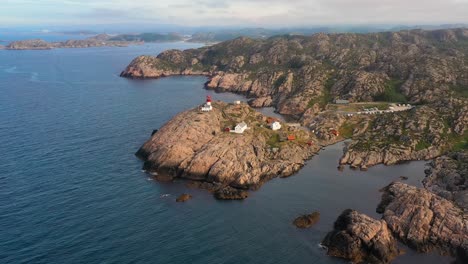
(207, 106)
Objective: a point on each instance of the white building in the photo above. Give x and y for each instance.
(275, 125)
(240, 128)
(206, 107)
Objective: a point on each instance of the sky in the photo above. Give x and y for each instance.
(251, 13)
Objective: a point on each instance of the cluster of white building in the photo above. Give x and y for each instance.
(391, 109)
(242, 126)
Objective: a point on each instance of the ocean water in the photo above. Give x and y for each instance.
(72, 191)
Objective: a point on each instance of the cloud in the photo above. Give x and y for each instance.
(240, 12)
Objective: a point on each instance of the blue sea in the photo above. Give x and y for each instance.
(72, 191)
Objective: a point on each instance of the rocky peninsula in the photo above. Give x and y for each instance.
(302, 76)
(199, 146)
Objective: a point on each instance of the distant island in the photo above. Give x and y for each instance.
(149, 37)
(102, 40)
(397, 96)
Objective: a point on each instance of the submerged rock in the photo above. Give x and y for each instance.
(183, 198)
(230, 193)
(163, 177)
(361, 239)
(305, 221)
(425, 221)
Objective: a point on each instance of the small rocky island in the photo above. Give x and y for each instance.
(228, 149)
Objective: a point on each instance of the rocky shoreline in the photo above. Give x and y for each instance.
(195, 146)
(420, 218)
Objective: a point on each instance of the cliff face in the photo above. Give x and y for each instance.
(195, 146)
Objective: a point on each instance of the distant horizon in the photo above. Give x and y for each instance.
(128, 28)
(225, 13)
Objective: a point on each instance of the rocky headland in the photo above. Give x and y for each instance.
(198, 146)
(302, 76)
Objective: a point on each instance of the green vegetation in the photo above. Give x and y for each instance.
(346, 130)
(460, 90)
(459, 142)
(392, 93)
(274, 141)
(326, 97)
(422, 144)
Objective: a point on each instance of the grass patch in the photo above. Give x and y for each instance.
(392, 93)
(346, 130)
(422, 144)
(274, 141)
(460, 90)
(459, 143)
(324, 99)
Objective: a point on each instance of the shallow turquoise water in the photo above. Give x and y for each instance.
(72, 191)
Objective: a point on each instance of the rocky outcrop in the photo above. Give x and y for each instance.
(183, 198)
(307, 220)
(194, 145)
(153, 67)
(361, 239)
(424, 220)
(448, 178)
(230, 193)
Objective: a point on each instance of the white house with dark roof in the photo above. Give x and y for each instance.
(240, 128)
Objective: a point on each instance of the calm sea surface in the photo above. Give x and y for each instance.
(71, 190)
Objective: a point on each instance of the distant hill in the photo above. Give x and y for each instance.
(148, 37)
